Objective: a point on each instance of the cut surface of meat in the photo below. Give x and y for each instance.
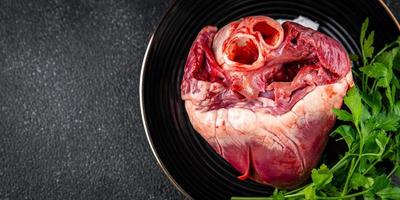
(261, 94)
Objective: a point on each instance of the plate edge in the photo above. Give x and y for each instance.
(144, 122)
(385, 6)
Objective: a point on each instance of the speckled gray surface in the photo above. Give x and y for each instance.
(77, 134)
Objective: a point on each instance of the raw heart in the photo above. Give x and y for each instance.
(262, 95)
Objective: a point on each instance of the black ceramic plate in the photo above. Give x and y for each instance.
(185, 157)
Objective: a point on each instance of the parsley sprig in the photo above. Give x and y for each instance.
(370, 129)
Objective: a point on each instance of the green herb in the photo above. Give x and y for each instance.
(371, 133)
(389, 193)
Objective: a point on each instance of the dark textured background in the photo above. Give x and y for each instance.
(70, 125)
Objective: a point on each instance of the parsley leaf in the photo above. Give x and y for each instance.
(359, 180)
(353, 102)
(387, 122)
(373, 100)
(376, 70)
(322, 176)
(387, 58)
(278, 195)
(347, 133)
(380, 183)
(309, 193)
(366, 42)
(389, 193)
(343, 115)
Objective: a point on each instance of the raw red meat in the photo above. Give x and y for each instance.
(262, 95)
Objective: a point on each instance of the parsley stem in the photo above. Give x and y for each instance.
(294, 195)
(374, 163)
(353, 166)
(396, 164)
(393, 170)
(364, 82)
(340, 164)
(354, 162)
(370, 167)
(366, 154)
(383, 50)
(373, 88)
(343, 161)
(349, 175)
(297, 190)
(346, 196)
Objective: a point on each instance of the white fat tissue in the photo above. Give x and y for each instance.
(304, 21)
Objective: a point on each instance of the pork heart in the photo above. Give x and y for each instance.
(261, 94)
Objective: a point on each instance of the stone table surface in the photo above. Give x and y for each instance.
(66, 134)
